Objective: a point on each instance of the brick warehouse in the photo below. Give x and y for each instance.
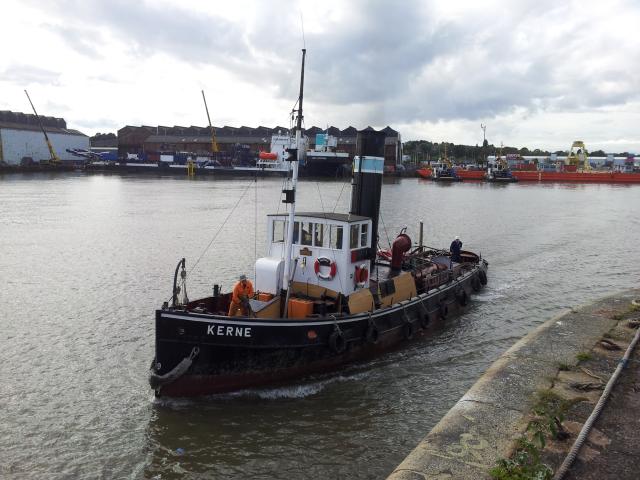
(151, 141)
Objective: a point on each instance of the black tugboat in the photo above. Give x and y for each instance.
(326, 297)
(444, 171)
(499, 172)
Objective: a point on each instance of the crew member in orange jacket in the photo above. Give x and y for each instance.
(242, 292)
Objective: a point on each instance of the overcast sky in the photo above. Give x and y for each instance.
(538, 73)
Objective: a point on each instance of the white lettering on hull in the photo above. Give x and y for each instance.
(222, 331)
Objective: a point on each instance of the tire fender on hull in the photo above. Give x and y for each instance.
(337, 341)
(408, 330)
(372, 334)
(462, 297)
(158, 381)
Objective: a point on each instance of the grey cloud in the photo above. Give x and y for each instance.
(517, 68)
(151, 28)
(395, 62)
(84, 40)
(24, 75)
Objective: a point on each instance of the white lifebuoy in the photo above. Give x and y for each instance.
(325, 262)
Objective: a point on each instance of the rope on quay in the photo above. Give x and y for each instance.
(575, 448)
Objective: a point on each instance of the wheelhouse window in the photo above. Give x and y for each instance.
(364, 234)
(296, 232)
(319, 236)
(335, 237)
(307, 232)
(354, 236)
(278, 231)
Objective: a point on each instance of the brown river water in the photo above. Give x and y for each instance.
(86, 259)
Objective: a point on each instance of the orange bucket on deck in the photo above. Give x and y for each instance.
(299, 308)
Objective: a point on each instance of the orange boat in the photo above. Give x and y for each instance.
(424, 173)
(586, 177)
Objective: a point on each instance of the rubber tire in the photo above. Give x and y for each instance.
(443, 310)
(372, 335)
(425, 321)
(475, 284)
(462, 298)
(483, 277)
(337, 342)
(408, 330)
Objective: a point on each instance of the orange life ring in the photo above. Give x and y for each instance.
(325, 262)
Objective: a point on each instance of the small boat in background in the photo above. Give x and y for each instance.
(424, 172)
(499, 172)
(444, 172)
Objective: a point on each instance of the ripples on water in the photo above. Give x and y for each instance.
(87, 259)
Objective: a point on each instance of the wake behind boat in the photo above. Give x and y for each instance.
(325, 297)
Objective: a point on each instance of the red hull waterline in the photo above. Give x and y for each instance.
(586, 177)
(463, 174)
(471, 174)
(198, 385)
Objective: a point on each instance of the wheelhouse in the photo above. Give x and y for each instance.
(330, 250)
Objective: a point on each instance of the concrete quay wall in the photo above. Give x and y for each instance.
(485, 423)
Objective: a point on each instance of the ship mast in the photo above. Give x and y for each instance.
(290, 193)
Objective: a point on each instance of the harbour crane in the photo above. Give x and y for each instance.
(54, 159)
(578, 154)
(214, 143)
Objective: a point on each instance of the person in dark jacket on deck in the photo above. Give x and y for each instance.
(455, 248)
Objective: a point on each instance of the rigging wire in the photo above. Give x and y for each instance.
(385, 229)
(220, 229)
(255, 222)
(344, 184)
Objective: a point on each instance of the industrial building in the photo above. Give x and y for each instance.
(22, 141)
(149, 142)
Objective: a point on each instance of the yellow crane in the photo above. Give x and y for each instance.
(53, 157)
(501, 162)
(445, 159)
(578, 155)
(214, 143)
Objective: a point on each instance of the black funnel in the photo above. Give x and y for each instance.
(368, 165)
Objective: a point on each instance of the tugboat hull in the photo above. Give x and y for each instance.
(237, 353)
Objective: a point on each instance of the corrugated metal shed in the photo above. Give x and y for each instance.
(20, 143)
(21, 136)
